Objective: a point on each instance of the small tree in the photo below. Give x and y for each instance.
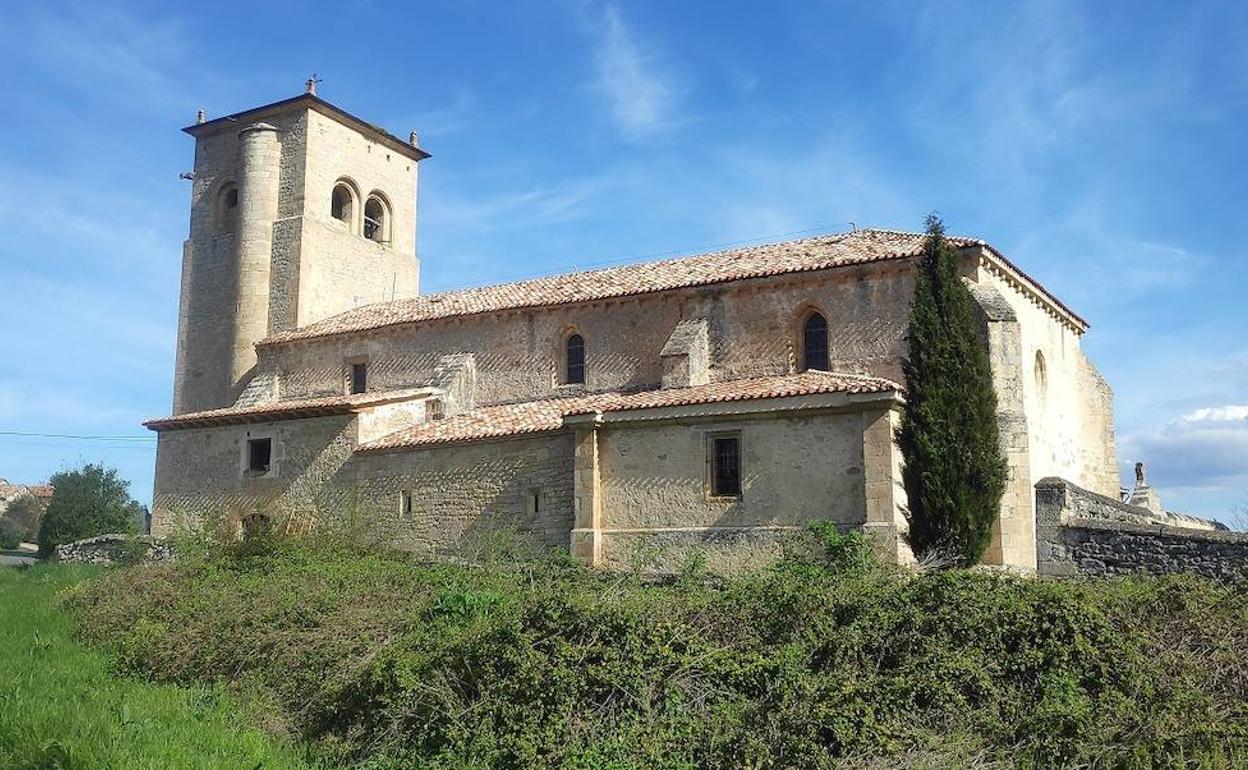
(85, 503)
(954, 471)
(10, 534)
(24, 512)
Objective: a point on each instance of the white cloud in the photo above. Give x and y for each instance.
(1232, 413)
(1205, 449)
(642, 95)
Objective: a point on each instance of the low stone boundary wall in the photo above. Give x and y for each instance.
(115, 549)
(1082, 533)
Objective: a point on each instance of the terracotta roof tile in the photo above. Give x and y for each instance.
(796, 256)
(284, 410)
(548, 414)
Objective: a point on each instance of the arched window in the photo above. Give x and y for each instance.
(227, 208)
(342, 203)
(574, 360)
(1042, 376)
(815, 343)
(376, 219)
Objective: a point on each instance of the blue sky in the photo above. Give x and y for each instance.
(1099, 145)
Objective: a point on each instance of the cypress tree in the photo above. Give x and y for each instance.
(954, 470)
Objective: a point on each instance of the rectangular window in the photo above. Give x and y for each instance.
(434, 409)
(533, 501)
(359, 378)
(725, 462)
(259, 455)
(405, 503)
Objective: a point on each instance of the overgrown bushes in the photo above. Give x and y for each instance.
(387, 663)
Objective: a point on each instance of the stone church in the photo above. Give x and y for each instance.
(708, 404)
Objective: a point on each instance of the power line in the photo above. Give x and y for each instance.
(76, 437)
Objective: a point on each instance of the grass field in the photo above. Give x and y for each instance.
(60, 707)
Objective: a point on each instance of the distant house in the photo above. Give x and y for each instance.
(42, 493)
(10, 492)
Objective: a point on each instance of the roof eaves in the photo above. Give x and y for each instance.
(296, 336)
(320, 105)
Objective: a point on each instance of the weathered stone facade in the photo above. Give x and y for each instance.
(474, 416)
(265, 253)
(1083, 533)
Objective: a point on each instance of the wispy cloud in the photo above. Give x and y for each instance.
(641, 93)
(103, 50)
(524, 208)
(452, 117)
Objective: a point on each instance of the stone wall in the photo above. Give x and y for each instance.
(1067, 405)
(201, 478)
(459, 493)
(643, 490)
(462, 494)
(1083, 533)
(752, 330)
(115, 549)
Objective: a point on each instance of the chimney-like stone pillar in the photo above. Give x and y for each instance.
(260, 153)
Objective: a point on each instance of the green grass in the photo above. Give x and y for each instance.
(379, 661)
(61, 707)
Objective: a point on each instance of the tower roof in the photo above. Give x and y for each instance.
(312, 102)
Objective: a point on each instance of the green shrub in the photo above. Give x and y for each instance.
(87, 502)
(386, 662)
(11, 534)
(24, 511)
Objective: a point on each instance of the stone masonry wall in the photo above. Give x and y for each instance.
(319, 266)
(115, 549)
(753, 331)
(460, 493)
(1083, 533)
(200, 478)
(1065, 408)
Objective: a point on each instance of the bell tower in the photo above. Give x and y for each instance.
(299, 211)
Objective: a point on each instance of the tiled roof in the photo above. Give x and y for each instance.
(548, 414)
(40, 490)
(283, 410)
(807, 254)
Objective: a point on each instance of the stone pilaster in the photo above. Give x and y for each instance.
(1014, 533)
(586, 542)
(882, 483)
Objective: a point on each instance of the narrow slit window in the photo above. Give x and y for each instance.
(359, 378)
(259, 455)
(575, 371)
(725, 466)
(815, 343)
(227, 209)
(405, 503)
